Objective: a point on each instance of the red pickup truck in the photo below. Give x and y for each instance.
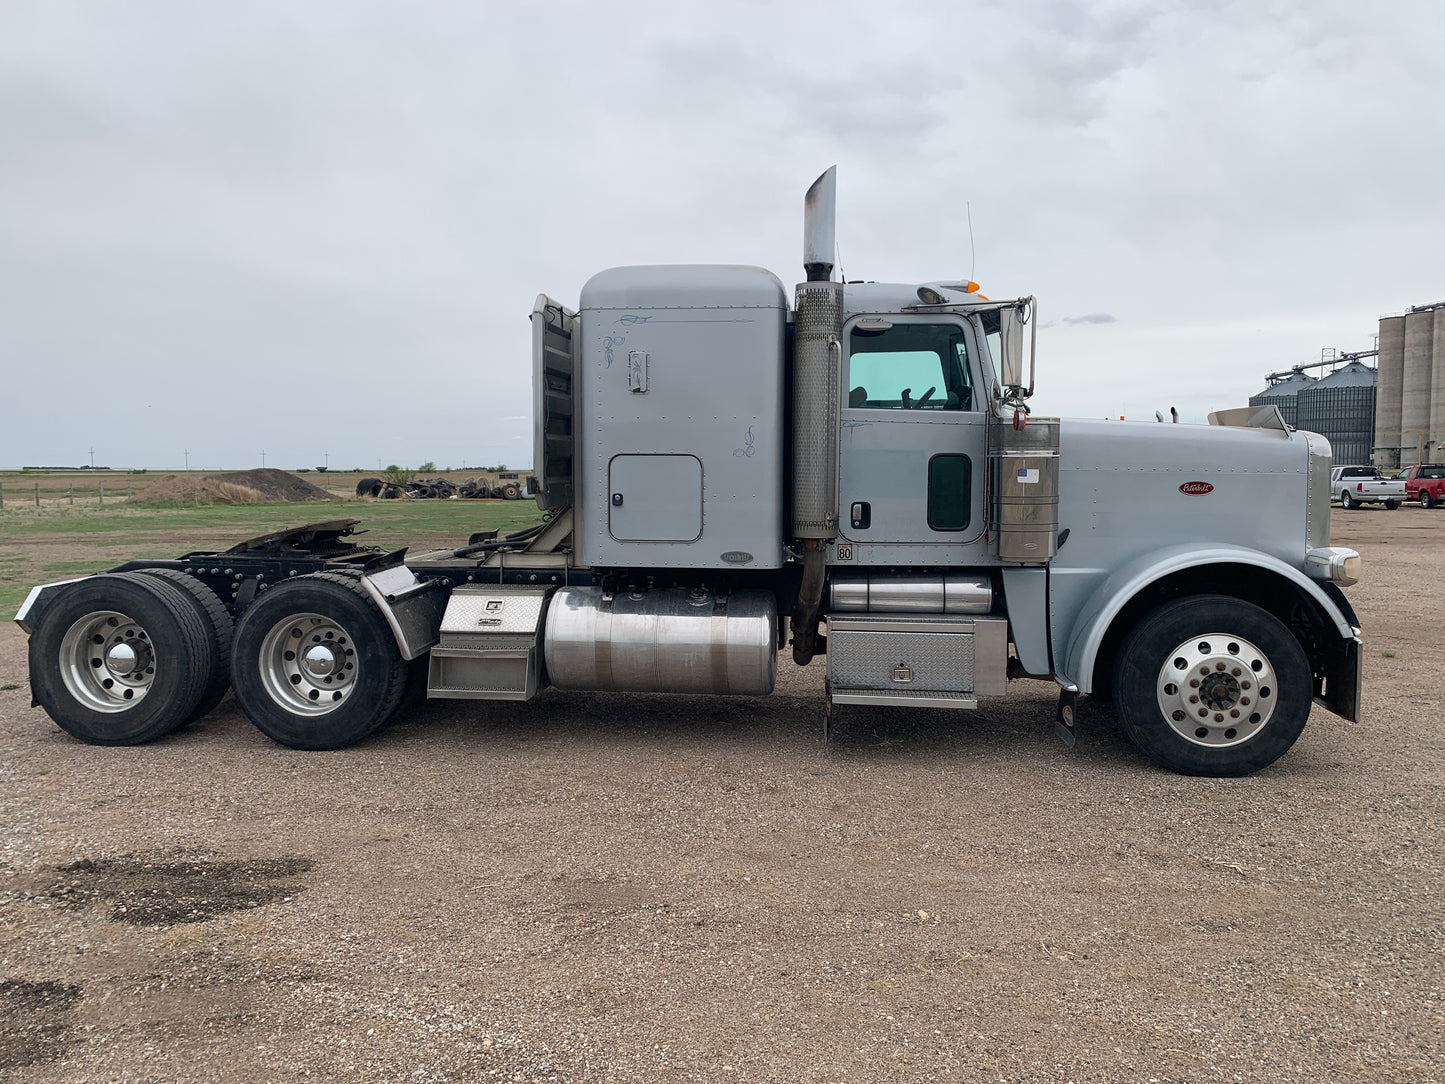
(1425, 483)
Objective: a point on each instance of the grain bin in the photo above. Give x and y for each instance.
(1284, 395)
(1341, 408)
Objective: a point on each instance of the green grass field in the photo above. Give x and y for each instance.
(59, 541)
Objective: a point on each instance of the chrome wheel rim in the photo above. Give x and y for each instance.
(107, 661)
(1217, 690)
(308, 664)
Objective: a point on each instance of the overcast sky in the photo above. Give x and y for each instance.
(317, 228)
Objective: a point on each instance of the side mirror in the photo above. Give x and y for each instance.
(1011, 346)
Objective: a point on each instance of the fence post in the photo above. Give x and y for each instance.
(2, 497)
(37, 494)
(129, 489)
(72, 492)
(102, 491)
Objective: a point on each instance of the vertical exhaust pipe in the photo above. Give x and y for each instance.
(817, 360)
(820, 210)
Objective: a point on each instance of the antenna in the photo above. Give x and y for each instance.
(972, 256)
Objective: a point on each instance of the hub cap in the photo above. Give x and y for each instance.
(308, 664)
(107, 661)
(1217, 690)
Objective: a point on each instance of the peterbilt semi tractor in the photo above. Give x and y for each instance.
(724, 476)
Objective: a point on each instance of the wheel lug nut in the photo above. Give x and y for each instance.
(1194, 684)
(1194, 699)
(1219, 666)
(1244, 700)
(1219, 718)
(1244, 684)
(1234, 714)
(1236, 671)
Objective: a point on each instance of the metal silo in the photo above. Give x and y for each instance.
(1391, 383)
(1341, 407)
(1415, 392)
(1284, 395)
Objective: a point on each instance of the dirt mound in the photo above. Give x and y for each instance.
(264, 486)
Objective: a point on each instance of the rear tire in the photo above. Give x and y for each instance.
(1347, 499)
(1212, 685)
(120, 659)
(1392, 505)
(314, 664)
(1426, 500)
(219, 631)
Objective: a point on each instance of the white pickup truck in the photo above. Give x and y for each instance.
(1354, 486)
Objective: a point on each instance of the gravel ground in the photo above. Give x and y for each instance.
(664, 888)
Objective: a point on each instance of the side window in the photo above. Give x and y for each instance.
(909, 367)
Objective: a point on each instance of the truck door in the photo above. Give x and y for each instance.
(912, 448)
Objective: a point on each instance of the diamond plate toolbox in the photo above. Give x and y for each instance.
(903, 653)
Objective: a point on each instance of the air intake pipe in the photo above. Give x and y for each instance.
(817, 358)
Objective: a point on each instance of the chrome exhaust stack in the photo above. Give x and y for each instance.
(817, 360)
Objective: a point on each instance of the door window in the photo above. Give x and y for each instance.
(909, 367)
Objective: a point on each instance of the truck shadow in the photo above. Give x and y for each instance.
(1021, 725)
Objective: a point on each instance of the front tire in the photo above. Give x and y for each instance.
(314, 664)
(1212, 685)
(119, 659)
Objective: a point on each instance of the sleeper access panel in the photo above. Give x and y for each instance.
(680, 442)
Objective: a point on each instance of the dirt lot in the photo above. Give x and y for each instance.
(628, 888)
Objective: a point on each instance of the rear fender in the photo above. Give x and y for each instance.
(36, 601)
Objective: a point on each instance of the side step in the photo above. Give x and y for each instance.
(914, 660)
(904, 698)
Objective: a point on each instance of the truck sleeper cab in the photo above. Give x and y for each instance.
(722, 473)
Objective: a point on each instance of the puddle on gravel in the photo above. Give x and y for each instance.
(144, 893)
(34, 1017)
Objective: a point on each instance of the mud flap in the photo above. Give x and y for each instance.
(1064, 716)
(1340, 689)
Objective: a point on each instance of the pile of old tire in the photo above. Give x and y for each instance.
(379, 488)
(426, 489)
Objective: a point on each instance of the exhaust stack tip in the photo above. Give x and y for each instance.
(819, 212)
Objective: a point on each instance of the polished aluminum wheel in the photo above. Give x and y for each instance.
(1217, 690)
(308, 664)
(107, 661)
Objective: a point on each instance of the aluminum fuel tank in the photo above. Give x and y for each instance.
(671, 640)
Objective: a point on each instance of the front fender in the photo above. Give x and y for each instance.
(1105, 604)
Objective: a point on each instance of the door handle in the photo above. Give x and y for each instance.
(861, 515)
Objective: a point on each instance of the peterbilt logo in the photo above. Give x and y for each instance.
(1195, 489)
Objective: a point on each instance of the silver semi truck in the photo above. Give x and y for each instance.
(723, 473)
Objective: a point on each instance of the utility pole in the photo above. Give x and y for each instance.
(92, 459)
(263, 457)
(188, 459)
(327, 461)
